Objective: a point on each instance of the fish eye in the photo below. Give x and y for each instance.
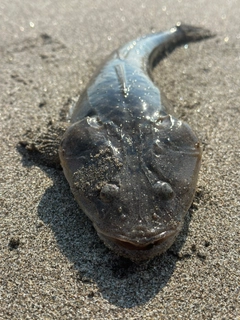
(109, 192)
(163, 189)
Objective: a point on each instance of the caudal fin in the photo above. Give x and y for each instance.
(192, 33)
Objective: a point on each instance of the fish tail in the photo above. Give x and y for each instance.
(192, 33)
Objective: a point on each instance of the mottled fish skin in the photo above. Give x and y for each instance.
(131, 165)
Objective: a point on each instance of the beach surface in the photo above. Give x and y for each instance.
(52, 263)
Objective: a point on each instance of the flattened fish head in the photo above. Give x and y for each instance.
(135, 191)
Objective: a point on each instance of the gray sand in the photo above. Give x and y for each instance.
(53, 265)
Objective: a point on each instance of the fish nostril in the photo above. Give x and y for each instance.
(155, 216)
(163, 190)
(109, 192)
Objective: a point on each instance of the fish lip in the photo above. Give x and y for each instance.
(142, 244)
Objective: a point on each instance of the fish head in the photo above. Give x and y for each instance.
(136, 188)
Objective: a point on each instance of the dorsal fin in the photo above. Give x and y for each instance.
(120, 71)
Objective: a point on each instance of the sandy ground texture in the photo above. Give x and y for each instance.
(52, 263)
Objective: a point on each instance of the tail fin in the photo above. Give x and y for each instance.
(191, 33)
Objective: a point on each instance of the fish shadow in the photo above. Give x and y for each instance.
(123, 283)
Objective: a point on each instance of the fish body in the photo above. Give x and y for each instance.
(131, 165)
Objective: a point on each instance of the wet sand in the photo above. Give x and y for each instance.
(53, 265)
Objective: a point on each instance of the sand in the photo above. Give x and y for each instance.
(52, 263)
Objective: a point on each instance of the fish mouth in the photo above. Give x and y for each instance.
(136, 246)
(141, 244)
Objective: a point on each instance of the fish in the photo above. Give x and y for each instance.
(131, 164)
